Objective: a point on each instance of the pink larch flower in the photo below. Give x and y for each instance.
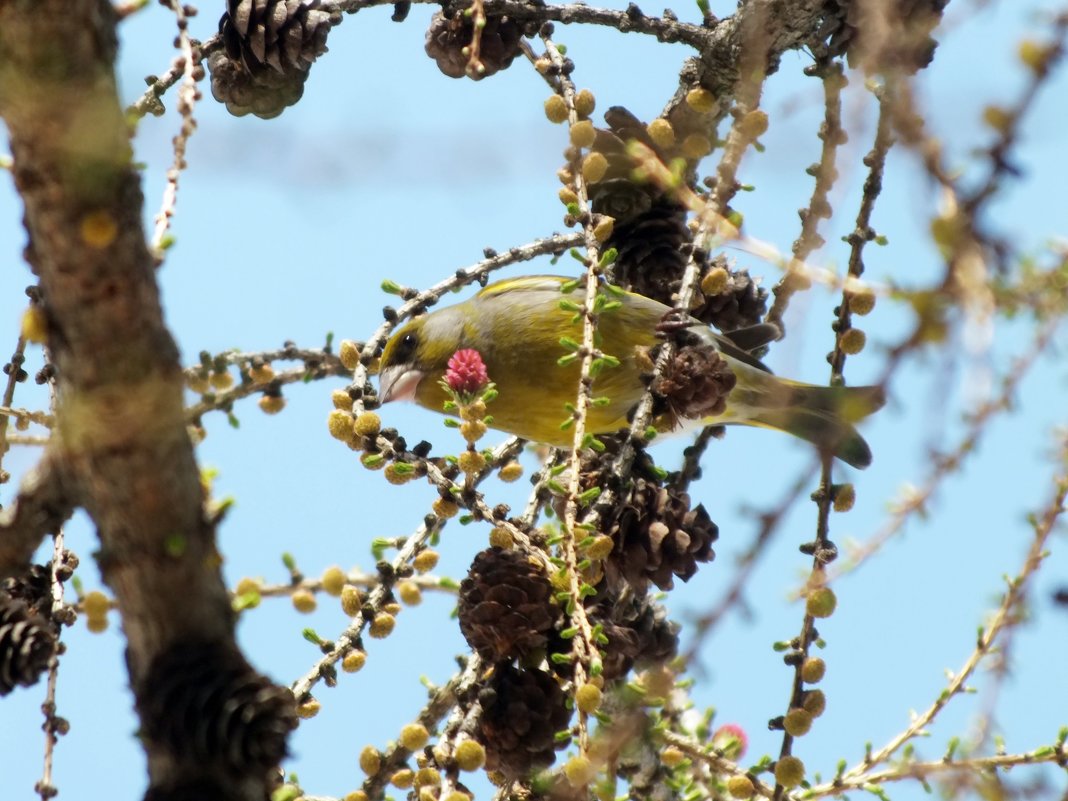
(466, 373)
(731, 740)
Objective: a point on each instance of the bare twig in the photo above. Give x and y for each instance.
(413, 545)
(357, 578)
(15, 366)
(477, 12)
(192, 71)
(583, 648)
(822, 549)
(746, 562)
(1003, 618)
(41, 418)
(318, 364)
(915, 499)
(706, 754)
(441, 701)
(819, 207)
(53, 725)
(974, 766)
(1041, 62)
(42, 505)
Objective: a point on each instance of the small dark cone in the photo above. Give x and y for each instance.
(647, 778)
(617, 193)
(652, 251)
(742, 303)
(26, 645)
(639, 634)
(622, 199)
(201, 788)
(594, 471)
(522, 710)
(242, 94)
(280, 36)
(206, 703)
(907, 46)
(658, 537)
(637, 629)
(506, 606)
(270, 46)
(650, 233)
(33, 588)
(447, 37)
(651, 236)
(695, 384)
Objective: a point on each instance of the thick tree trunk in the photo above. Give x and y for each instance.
(120, 447)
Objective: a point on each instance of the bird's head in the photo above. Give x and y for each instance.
(416, 356)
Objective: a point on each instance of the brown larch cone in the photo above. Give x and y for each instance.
(206, 702)
(269, 47)
(26, 645)
(447, 37)
(652, 251)
(658, 537)
(522, 711)
(33, 587)
(617, 193)
(506, 606)
(650, 234)
(636, 628)
(741, 303)
(696, 382)
(639, 633)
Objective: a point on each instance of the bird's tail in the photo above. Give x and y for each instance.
(823, 416)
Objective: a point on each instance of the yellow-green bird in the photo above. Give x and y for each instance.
(517, 325)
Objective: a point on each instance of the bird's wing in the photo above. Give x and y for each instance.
(735, 345)
(754, 336)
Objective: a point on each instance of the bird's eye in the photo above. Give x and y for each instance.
(406, 346)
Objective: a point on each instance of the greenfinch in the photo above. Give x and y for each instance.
(517, 326)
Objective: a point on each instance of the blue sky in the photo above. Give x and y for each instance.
(388, 169)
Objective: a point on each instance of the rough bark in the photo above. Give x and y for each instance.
(41, 507)
(742, 49)
(120, 442)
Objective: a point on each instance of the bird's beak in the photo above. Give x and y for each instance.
(399, 382)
